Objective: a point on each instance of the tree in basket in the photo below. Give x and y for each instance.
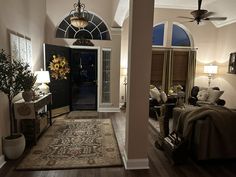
(12, 79)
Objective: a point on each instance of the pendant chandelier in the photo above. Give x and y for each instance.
(79, 16)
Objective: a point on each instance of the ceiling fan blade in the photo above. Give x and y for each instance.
(207, 14)
(199, 4)
(186, 17)
(187, 21)
(215, 18)
(199, 13)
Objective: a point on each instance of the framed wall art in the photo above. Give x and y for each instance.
(21, 48)
(232, 63)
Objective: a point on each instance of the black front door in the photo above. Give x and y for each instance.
(60, 88)
(83, 79)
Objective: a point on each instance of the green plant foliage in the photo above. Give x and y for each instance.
(15, 76)
(27, 80)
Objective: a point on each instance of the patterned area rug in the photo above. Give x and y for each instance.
(76, 143)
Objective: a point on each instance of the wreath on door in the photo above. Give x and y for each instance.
(59, 67)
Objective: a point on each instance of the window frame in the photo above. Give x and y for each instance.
(102, 73)
(164, 35)
(186, 31)
(63, 31)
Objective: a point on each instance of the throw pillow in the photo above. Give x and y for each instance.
(214, 95)
(152, 86)
(163, 96)
(154, 93)
(202, 95)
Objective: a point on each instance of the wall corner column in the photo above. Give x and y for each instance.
(139, 68)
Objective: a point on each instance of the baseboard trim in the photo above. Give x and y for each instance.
(108, 109)
(2, 161)
(135, 164)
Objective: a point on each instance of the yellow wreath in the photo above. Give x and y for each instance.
(59, 67)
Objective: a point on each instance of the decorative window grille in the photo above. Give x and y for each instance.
(106, 73)
(96, 29)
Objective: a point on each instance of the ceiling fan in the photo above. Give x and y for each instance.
(202, 14)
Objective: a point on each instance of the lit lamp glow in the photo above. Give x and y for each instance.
(124, 73)
(210, 70)
(43, 78)
(79, 22)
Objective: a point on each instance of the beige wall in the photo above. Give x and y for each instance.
(204, 36)
(225, 45)
(114, 7)
(124, 58)
(213, 46)
(55, 14)
(20, 16)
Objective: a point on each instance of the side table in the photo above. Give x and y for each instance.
(32, 125)
(165, 111)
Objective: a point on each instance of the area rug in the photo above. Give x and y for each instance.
(82, 114)
(76, 143)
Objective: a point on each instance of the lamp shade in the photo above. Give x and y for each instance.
(123, 71)
(210, 69)
(42, 76)
(79, 22)
(79, 16)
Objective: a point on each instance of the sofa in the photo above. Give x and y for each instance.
(206, 96)
(208, 130)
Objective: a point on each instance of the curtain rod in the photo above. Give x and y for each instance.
(175, 48)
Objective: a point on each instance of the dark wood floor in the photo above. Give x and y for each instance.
(159, 164)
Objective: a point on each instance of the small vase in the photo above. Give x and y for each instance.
(28, 95)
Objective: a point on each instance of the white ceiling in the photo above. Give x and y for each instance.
(181, 4)
(224, 8)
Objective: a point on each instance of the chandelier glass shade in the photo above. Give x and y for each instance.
(79, 16)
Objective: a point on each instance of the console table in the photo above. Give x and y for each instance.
(32, 122)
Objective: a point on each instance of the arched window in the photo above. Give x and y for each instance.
(180, 37)
(158, 34)
(96, 29)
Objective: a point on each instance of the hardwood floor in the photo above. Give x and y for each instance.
(159, 164)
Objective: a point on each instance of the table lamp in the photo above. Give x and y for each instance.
(124, 73)
(210, 70)
(43, 78)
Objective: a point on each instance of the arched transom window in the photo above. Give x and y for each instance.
(158, 34)
(96, 29)
(179, 36)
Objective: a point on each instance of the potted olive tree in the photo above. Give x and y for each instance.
(12, 77)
